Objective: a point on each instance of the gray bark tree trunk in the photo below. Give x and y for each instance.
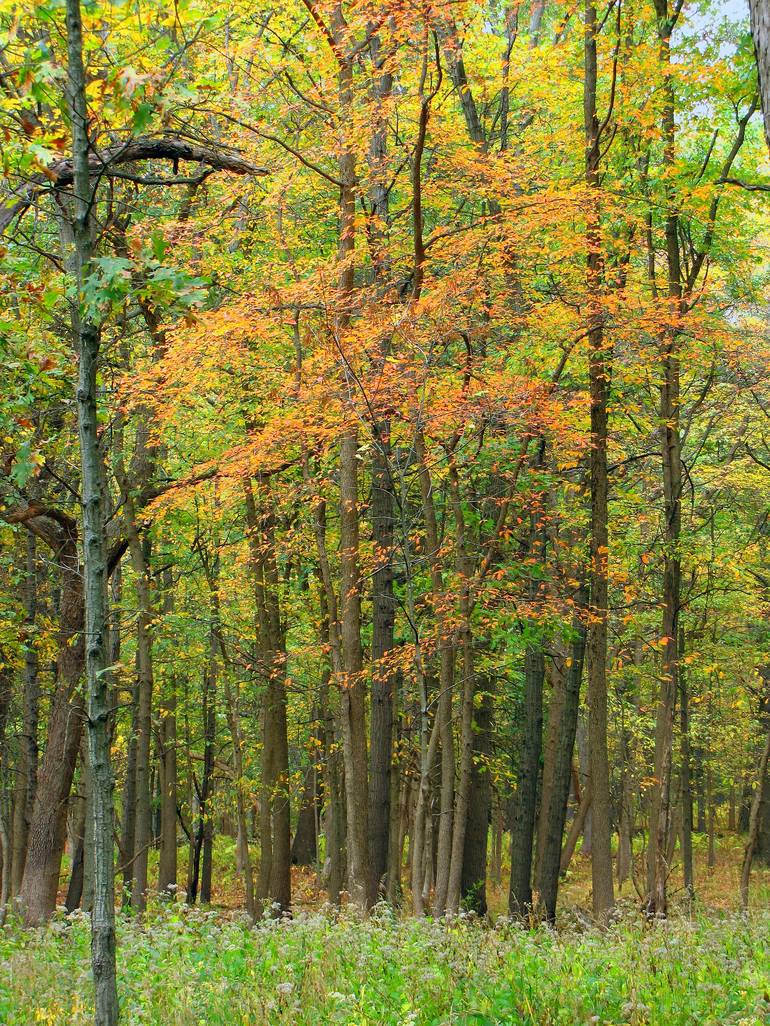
(95, 569)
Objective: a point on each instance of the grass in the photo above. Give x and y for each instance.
(193, 967)
(189, 967)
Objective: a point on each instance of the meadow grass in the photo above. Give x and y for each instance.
(187, 967)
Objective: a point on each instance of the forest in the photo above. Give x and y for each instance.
(385, 512)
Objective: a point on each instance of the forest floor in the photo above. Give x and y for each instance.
(187, 967)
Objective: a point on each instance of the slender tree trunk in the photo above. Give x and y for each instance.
(5, 840)
(712, 811)
(464, 782)
(397, 813)
(381, 512)
(446, 678)
(275, 856)
(474, 870)
(128, 832)
(334, 818)
(353, 713)
(524, 810)
(684, 712)
(755, 817)
(700, 796)
(167, 866)
(576, 827)
(95, 570)
(383, 675)
(672, 491)
(599, 383)
(30, 715)
(78, 836)
(206, 824)
(140, 558)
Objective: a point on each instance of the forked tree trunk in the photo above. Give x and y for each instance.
(446, 655)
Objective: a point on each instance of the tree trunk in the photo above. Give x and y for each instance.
(128, 831)
(304, 851)
(95, 570)
(31, 701)
(549, 858)
(464, 782)
(75, 889)
(474, 870)
(383, 675)
(686, 762)
(5, 840)
(760, 30)
(352, 698)
(381, 512)
(576, 827)
(47, 829)
(446, 677)
(167, 865)
(658, 868)
(275, 855)
(599, 371)
(140, 559)
(755, 816)
(525, 799)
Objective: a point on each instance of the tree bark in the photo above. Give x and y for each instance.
(685, 774)
(658, 869)
(47, 829)
(599, 371)
(95, 569)
(167, 866)
(760, 31)
(275, 855)
(446, 655)
(140, 558)
(755, 817)
(549, 857)
(474, 871)
(353, 711)
(525, 799)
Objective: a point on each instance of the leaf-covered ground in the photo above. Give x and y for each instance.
(187, 968)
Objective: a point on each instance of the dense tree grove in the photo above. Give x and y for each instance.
(384, 454)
